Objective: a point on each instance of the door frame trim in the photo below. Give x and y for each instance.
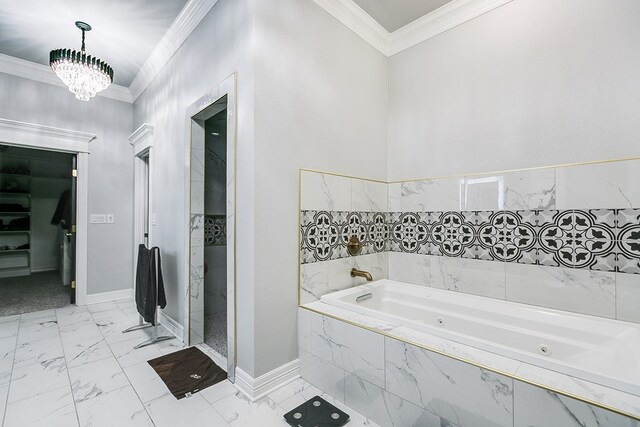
(43, 137)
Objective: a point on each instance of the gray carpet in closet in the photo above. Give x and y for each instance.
(26, 294)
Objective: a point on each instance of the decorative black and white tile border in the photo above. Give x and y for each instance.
(324, 234)
(215, 230)
(597, 239)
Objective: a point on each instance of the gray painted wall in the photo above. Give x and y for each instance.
(532, 83)
(110, 261)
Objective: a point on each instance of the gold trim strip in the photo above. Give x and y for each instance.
(461, 359)
(561, 165)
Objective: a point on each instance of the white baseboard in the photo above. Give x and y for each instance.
(109, 296)
(171, 325)
(256, 388)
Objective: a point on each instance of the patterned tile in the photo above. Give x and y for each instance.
(215, 230)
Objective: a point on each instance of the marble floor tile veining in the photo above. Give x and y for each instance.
(73, 366)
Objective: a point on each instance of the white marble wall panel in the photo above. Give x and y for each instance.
(599, 186)
(324, 192)
(368, 196)
(536, 407)
(464, 394)
(483, 193)
(354, 350)
(394, 197)
(304, 329)
(384, 408)
(470, 276)
(582, 291)
(628, 297)
(409, 268)
(323, 375)
(530, 189)
(445, 194)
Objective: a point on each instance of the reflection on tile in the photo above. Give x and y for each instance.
(483, 193)
(52, 408)
(628, 297)
(433, 195)
(96, 378)
(383, 407)
(409, 268)
(355, 350)
(146, 382)
(324, 192)
(35, 379)
(530, 189)
(601, 185)
(581, 291)
(193, 411)
(237, 410)
(534, 406)
(327, 377)
(468, 275)
(464, 394)
(100, 410)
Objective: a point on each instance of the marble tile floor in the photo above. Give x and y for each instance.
(73, 367)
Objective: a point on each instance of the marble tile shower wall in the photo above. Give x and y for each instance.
(333, 208)
(565, 237)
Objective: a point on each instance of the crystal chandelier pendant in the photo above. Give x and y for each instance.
(84, 75)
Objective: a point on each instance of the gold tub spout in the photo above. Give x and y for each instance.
(361, 273)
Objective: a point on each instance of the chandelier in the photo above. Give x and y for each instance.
(85, 75)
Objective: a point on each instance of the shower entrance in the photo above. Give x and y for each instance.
(211, 153)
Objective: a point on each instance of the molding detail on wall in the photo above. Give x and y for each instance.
(42, 73)
(31, 135)
(140, 138)
(256, 388)
(188, 19)
(108, 296)
(358, 21)
(430, 25)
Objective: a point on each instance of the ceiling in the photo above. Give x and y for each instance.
(394, 14)
(124, 31)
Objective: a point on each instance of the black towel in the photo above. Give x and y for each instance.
(149, 286)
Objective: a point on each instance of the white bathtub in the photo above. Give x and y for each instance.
(595, 349)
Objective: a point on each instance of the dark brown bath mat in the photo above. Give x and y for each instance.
(187, 371)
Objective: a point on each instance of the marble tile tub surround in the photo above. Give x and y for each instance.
(575, 228)
(427, 388)
(332, 209)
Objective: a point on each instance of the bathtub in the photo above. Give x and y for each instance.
(595, 349)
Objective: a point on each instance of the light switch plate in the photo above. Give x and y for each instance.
(111, 219)
(98, 219)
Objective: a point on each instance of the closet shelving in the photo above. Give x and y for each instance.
(15, 217)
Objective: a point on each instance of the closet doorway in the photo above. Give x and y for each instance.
(37, 229)
(211, 228)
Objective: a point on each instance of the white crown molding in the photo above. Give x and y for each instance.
(140, 135)
(257, 388)
(32, 135)
(440, 20)
(41, 73)
(188, 19)
(358, 21)
(430, 25)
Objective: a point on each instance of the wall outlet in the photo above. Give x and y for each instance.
(98, 219)
(111, 219)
